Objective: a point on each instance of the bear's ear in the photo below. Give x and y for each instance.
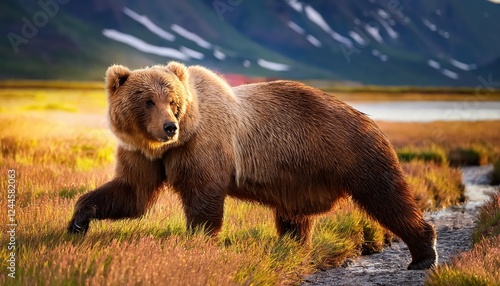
(179, 70)
(116, 76)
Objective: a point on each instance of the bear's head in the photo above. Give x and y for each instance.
(151, 109)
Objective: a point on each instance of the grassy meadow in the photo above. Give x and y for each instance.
(57, 141)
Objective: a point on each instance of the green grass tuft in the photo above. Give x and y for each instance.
(474, 155)
(448, 276)
(433, 154)
(464, 157)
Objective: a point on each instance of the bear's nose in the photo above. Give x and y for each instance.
(170, 128)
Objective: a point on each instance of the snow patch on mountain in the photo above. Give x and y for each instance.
(462, 66)
(434, 64)
(444, 34)
(296, 5)
(379, 55)
(219, 55)
(317, 19)
(143, 46)
(383, 14)
(392, 33)
(272, 65)
(146, 22)
(191, 36)
(357, 37)
(374, 32)
(192, 53)
(434, 28)
(429, 25)
(295, 27)
(313, 41)
(301, 31)
(450, 74)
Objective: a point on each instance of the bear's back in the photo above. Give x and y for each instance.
(296, 136)
(298, 125)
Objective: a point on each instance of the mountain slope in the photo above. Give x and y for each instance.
(371, 42)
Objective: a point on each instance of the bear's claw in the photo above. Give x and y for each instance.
(75, 228)
(423, 264)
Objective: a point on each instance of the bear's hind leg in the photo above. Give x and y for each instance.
(297, 227)
(394, 207)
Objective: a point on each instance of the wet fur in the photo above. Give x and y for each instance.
(283, 144)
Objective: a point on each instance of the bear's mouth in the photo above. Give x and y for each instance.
(155, 138)
(165, 139)
(160, 137)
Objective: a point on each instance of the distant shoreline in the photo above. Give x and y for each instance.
(343, 92)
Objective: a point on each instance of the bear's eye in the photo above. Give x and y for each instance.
(150, 103)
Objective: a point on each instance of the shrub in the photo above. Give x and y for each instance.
(488, 224)
(434, 186)
(433, 154)
(421, 192)
(464, 157)
(495, 176)
(473, 155)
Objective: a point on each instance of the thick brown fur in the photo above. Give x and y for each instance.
(283, 144)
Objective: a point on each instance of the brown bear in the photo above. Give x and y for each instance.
(282, 144)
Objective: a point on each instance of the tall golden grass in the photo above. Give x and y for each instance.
(59, 155)
(156, 248)
(447, 135)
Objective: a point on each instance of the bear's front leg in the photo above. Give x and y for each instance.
(203, 209)
(130, 194)
(112, 200)
(297, 227)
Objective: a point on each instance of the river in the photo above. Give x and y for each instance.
(426, 111)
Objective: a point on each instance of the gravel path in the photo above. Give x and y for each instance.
(454, 226)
